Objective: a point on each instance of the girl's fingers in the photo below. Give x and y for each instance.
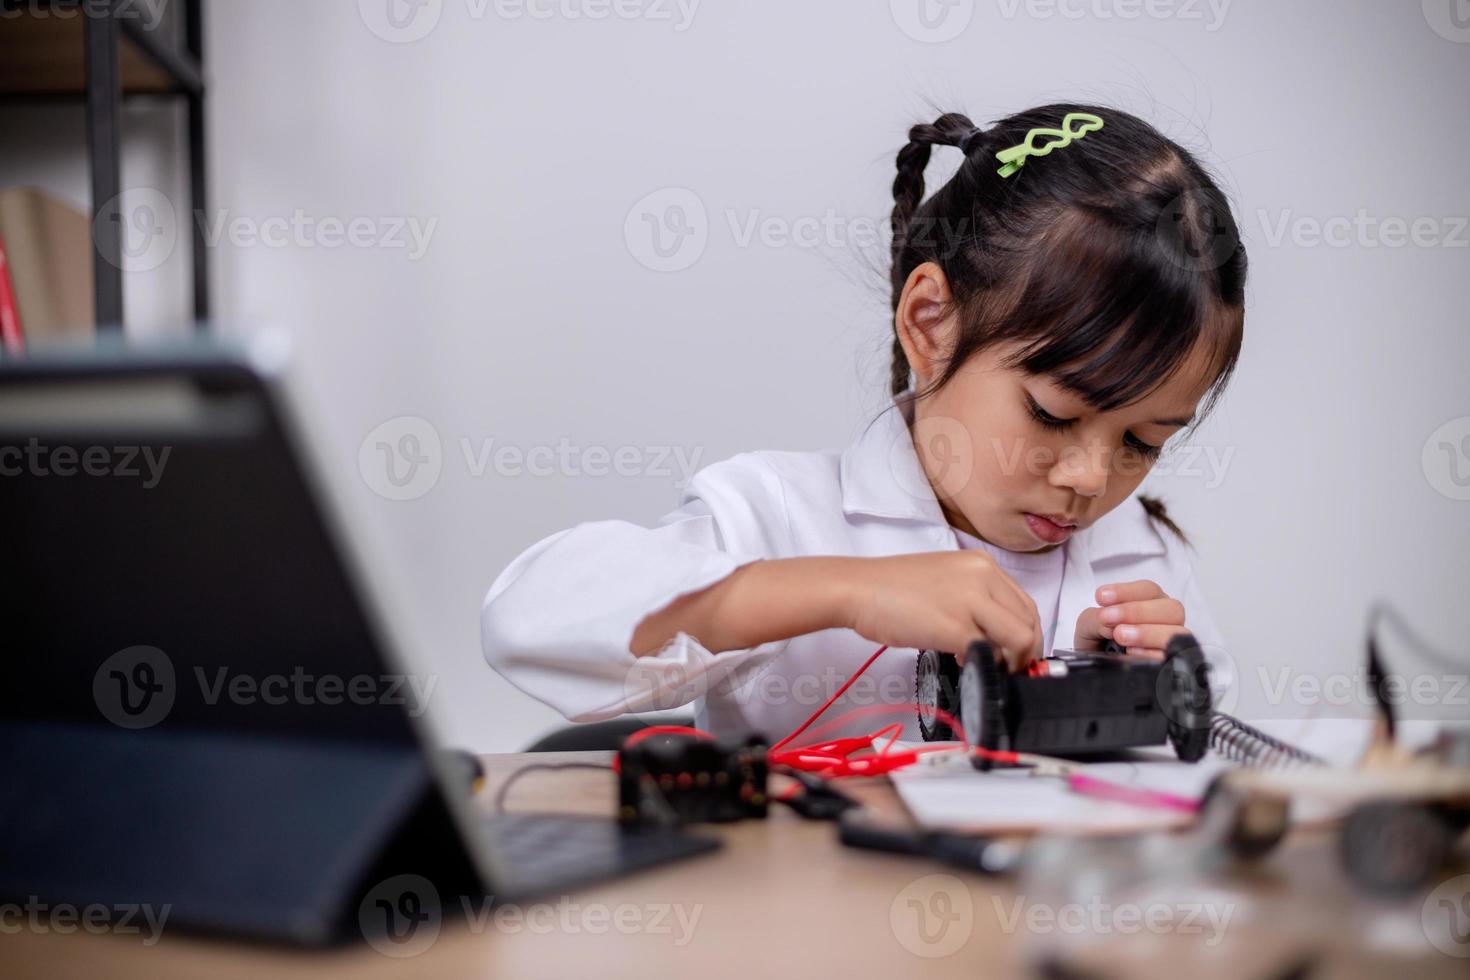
(1018, 639)
(1111, 595)
(1153, 636)
(1165, 610)
(1090, 629)
(1018, 600)
(1146, 653)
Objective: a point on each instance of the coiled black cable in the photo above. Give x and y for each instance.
(1234, 740)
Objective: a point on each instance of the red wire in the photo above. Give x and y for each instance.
(653, 730)
(816, 714)
(833, 758)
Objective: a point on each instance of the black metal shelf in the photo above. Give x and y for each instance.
(107, 57)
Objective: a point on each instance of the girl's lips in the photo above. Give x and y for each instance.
(1046, 530)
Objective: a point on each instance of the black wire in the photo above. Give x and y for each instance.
(1377, 676)
(501, 793)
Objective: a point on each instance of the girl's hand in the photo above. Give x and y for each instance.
(1136, 615)
(942, 600)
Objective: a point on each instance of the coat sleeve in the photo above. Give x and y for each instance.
(559, 620)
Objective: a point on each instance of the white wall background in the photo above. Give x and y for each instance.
(529, 320)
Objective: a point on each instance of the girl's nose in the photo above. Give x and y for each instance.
(1083, 469)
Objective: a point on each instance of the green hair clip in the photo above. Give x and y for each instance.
(1014, 156)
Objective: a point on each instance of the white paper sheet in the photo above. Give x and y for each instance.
(956, 796)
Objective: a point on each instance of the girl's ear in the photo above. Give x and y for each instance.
(925, 322)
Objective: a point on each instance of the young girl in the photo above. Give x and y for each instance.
(1069, 301)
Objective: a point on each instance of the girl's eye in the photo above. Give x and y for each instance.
(1049, 421)
(1044, 418)
(1144, 449)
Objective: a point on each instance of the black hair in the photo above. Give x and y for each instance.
(1109, 260)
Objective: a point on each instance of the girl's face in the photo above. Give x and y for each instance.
(1022, 463)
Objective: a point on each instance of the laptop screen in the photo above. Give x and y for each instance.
(167, 566)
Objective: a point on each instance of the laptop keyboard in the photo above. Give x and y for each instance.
(536, 853)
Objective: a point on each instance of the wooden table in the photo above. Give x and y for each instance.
(784, 898)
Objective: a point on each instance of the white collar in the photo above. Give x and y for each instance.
(882, 477)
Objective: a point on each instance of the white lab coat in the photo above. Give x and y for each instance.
(557, 622)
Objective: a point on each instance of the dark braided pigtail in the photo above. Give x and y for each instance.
(1154, 507)
(949, 129)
